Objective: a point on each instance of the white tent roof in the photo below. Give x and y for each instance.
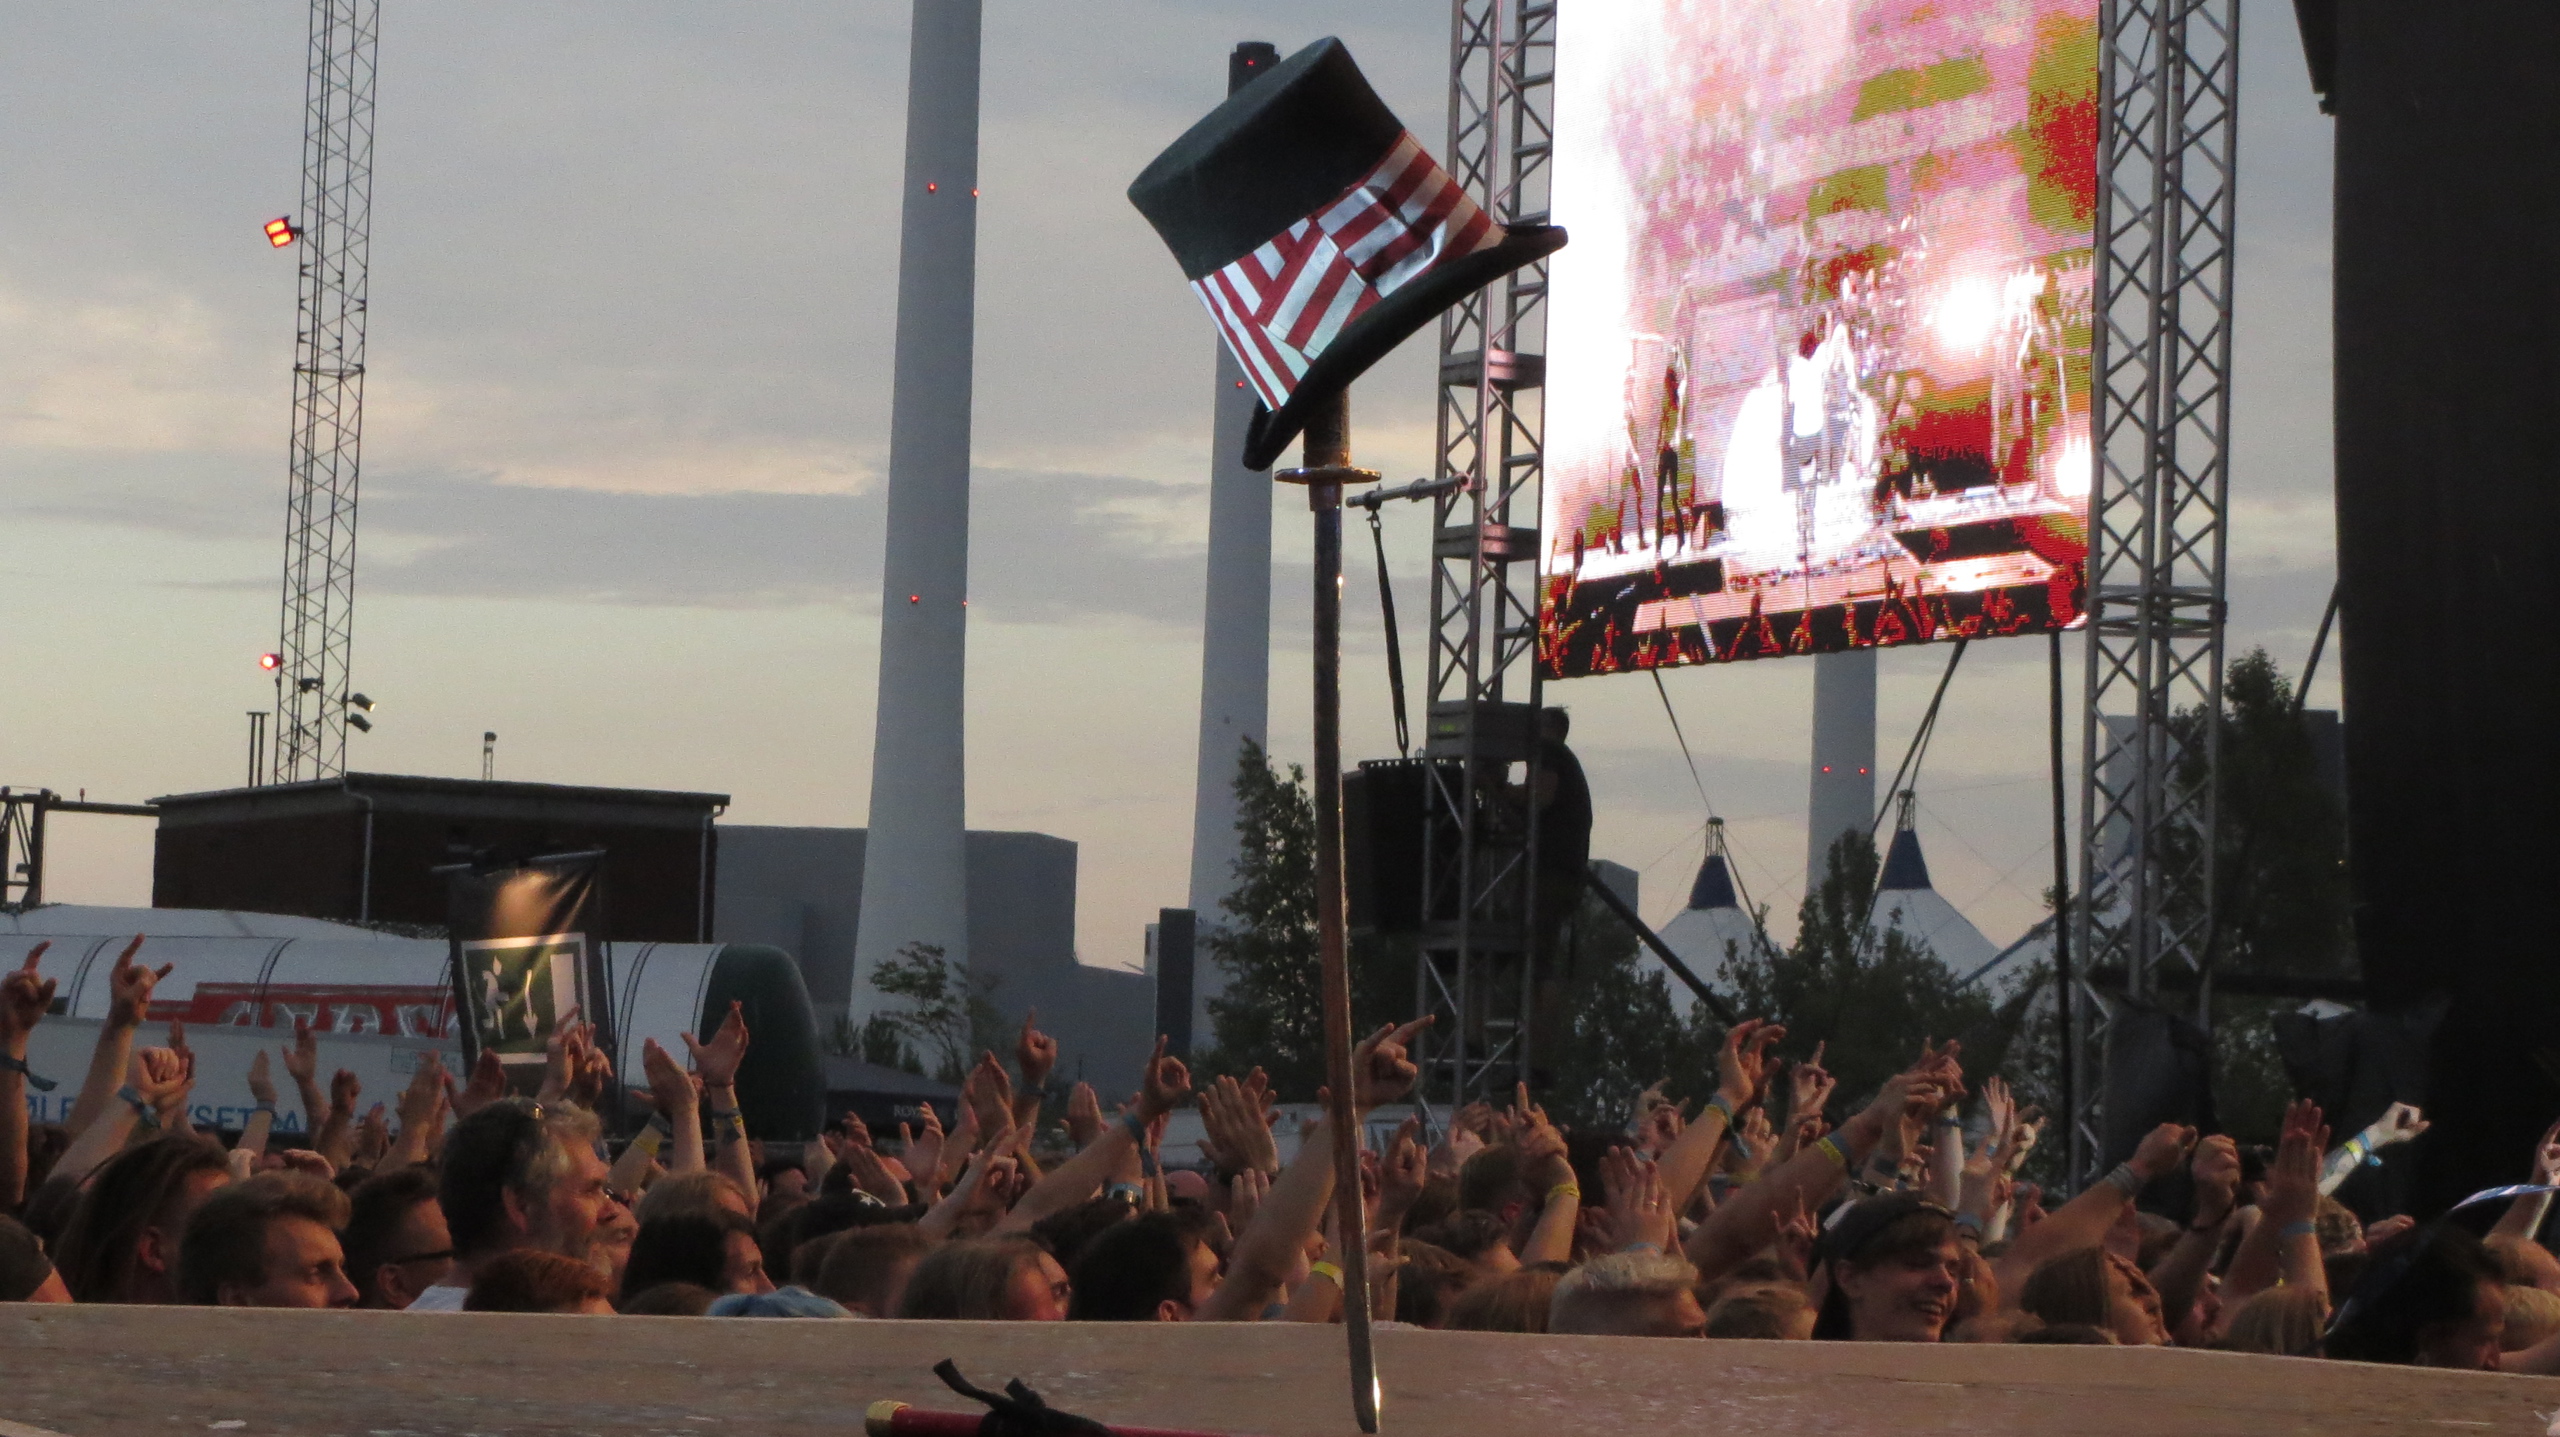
(1701, 932)
(1906, 899)
(74, 919)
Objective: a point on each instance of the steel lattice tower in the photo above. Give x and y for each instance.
(2169, 73)
(335, 225)
(1479, 861)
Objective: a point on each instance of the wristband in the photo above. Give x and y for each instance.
(649, 1140)
(1742, 1149)
(19, 1067)
(1565, 1190)
(267, 1108)
(1642, 1247)
(143, 1112)
(1948, 1119)
(1968, 1224)
(1829, 1145)
(2124, 1180)
(2359, 1150)
(2303, 1228)
(1328, 1271)
(1724, 1105)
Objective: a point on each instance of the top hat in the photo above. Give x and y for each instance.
(1318, 233)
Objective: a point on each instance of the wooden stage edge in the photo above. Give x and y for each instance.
(112, 1371)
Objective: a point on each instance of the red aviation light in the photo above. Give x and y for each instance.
(271, 662)
(280, 232)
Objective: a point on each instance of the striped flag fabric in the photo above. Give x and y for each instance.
(1282, 304)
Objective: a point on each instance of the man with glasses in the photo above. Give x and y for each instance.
(519, 1174)
(397, 1244)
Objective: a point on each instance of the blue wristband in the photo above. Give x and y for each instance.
(19, 1067)
(2304, 1228)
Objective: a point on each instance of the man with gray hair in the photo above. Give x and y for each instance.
(519, 1174)
(1629, 1294)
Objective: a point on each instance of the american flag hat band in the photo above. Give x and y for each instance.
(1280, 306)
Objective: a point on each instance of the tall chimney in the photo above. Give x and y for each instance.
(1235, 633)
(914, 875)
(1844, 756)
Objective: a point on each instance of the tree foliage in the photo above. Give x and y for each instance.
(942, 1013)
(1872, 997)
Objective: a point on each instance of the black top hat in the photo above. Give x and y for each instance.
(1319, 233)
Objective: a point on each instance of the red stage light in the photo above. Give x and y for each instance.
(930, 187)
(280, 232)
(915, 598)
(271, 662)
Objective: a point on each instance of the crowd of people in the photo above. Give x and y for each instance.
(1756, 1216)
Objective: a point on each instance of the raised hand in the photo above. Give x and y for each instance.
(923, 1148)
(1084, 1115)
(488, 1084)
(1660, 1127)
(24, 999)
(1742, 1064)
(592, 1076)
(2399, 1123)
(989, 1090)
(1167, 1086)
(2216, 1169)
(2546, 1156)
(562, 1053)
(262, 1085)
(1639, 1210)
(161, 1077)
(373, 1136)
(1401, 1175)
(2293, 1179)
(302, 1064)
(1381, 1069)
(1809, 1084)
(1035, 1053)
(2161, 1150)
(671, 1090)
(1793, 1233)
(717, 1061)
(344, 1089)
(130, 984)
(423, 1096)
(1244, 1198)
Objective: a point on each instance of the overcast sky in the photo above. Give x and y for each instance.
(627, 413)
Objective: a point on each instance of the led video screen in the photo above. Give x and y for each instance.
(1818, 354)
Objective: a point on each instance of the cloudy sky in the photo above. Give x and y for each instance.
(632, 283)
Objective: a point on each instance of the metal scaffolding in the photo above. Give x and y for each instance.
(2168, 134)
(1479, 890)
(334, 227)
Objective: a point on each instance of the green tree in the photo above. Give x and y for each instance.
(1872, 997)
(943, 1012)
(1621, 1030)
(876, 1039)
(1271, 1014)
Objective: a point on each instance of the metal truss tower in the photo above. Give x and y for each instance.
(333, 229)
(1479, 860)
(2168, 76)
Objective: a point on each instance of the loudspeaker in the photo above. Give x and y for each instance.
(1387, 805)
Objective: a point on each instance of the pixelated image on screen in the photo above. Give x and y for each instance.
(1818, 355)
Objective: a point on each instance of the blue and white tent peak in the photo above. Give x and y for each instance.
(1714, 885)
(1904, 867)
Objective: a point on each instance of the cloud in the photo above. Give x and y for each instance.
(1050, 548)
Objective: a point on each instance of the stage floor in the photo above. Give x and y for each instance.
(112, 1372)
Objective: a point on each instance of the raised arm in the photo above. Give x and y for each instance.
(2522, 1221)
(716, 1062)
(1742, 1067)
(2180, 1275)
(1270, 1243)
(129, 984)
(2284, 1247)
(1741, 1225)
(1167, 1085)
(2399, 1123)
(24, 999)
(2083, 1221)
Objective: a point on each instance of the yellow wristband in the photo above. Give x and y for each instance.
(648, 1141)
(1565, 1190)
(1833, 1148)
(1328, 1271)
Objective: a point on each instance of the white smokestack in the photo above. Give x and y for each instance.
(914, 873)
(1235, 636)
(1844, 755)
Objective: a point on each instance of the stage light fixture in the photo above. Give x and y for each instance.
(360, 723)
(281, 231)
(359, 701)
(271, 662)
(306, 685)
